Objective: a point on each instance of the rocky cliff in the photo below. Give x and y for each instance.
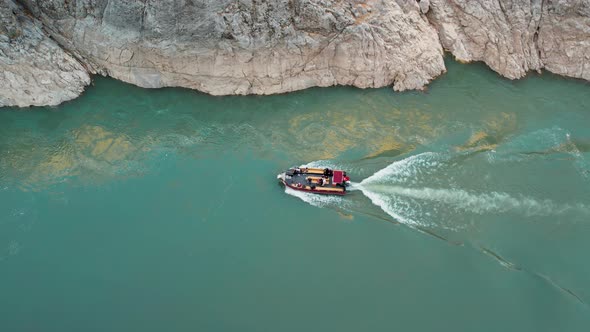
(273, 46)
(516, 36)
(34, 70)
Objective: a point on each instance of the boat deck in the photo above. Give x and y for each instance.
(313, 180)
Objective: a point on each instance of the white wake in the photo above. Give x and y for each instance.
(407, 191)
(317, 200)
(478, 203)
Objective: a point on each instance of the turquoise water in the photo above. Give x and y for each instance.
(158, 210)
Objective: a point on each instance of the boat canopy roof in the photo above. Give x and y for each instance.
(338, 177)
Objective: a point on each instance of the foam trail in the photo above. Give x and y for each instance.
(315, 199)
(389, 206)
(399, 189)
(405, 169)
(400, 171)
(480, 203)
(354, 186)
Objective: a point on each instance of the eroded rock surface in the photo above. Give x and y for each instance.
(564, 37)
(34, 70)
(272, 46)
(516, 36)
(250, 46)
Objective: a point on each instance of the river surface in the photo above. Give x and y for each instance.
(132, 209)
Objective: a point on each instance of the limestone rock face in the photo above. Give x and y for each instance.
(272, 46)
(500, 33)
(249, 46)
(516, 36)
(34, 70)
(564, 37)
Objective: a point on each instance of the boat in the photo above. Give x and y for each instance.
(324, 181)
